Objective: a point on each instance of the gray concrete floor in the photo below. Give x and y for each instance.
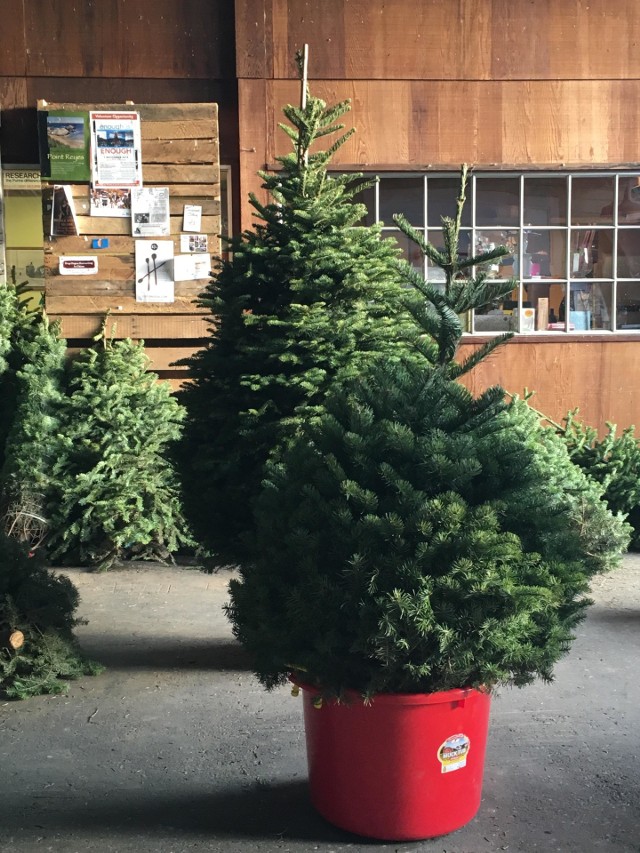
(177, 748)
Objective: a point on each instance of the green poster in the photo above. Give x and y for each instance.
(64, 138)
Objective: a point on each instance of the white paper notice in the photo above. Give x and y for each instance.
(192, 217)
(150, 212)
(154, 271)
(191, 267)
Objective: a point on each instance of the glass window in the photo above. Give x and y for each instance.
(592, 201)
(545, 201)
(410, 250)
(628, 305)
(402, 195)
(435, 273)
(571, 240)
(497, 201)
(629, 201)
(628, 253)
(442, 195)
(591, 253)
(368, 198)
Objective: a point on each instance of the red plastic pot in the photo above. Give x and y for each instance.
(404, 767)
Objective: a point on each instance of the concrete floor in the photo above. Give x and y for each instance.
(176, 747)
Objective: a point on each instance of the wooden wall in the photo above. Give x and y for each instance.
(495, 83)
(595, 375)
(500, 84)
(112, 51)
(109, 52)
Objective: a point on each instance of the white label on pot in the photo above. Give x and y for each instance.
(452, 754)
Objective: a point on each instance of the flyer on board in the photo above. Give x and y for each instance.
(115, 149)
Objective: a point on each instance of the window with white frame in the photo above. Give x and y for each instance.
(573, 240)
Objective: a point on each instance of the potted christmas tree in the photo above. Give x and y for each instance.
(414, 548)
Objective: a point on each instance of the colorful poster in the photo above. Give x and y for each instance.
(115, 149)
(154, 271)
(64, 145)
(194, 243)
(113, 203)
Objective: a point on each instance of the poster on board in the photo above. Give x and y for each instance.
(150, 212)
(113, 203)
(64, 145)
(115, 149)
(154, 271)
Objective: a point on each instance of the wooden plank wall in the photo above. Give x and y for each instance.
(495, 83)
(592, 375)
(180, 151)
(109, 51)
(520, 84)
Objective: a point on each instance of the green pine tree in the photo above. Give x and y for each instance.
(413, 538)
(41, 606)
(440, 309)
(114, 493)
(15, 316)
(613, 461)
(38, 366)
(8, 319)
(309, 296)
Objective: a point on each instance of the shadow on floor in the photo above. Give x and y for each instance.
(166, 653)
(262, 811)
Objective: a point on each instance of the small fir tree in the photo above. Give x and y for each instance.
(309, 295)
(440, 309)
(114, 493)
(414, 538)
(8, 317)
(15, 315)
(38, 649)
(38, 360)
(613, 461)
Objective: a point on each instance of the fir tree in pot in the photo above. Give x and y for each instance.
(416, 547)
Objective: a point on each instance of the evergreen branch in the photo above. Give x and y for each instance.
(479, 355)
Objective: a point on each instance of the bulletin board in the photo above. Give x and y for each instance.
(95, 263)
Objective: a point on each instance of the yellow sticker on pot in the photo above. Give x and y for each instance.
(452, 754)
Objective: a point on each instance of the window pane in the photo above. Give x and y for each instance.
(628, 305)
(590, 307)
(501, 267)
(592, 201)
(545, 201)
(591, 253)
(557, 302)
(629, 200)
(435, 273)
(368, 198)
(499, 315)
(411, 252)
(402, 195)
(497, 201)
(545, 254)
(442, 194)
(629, 253)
